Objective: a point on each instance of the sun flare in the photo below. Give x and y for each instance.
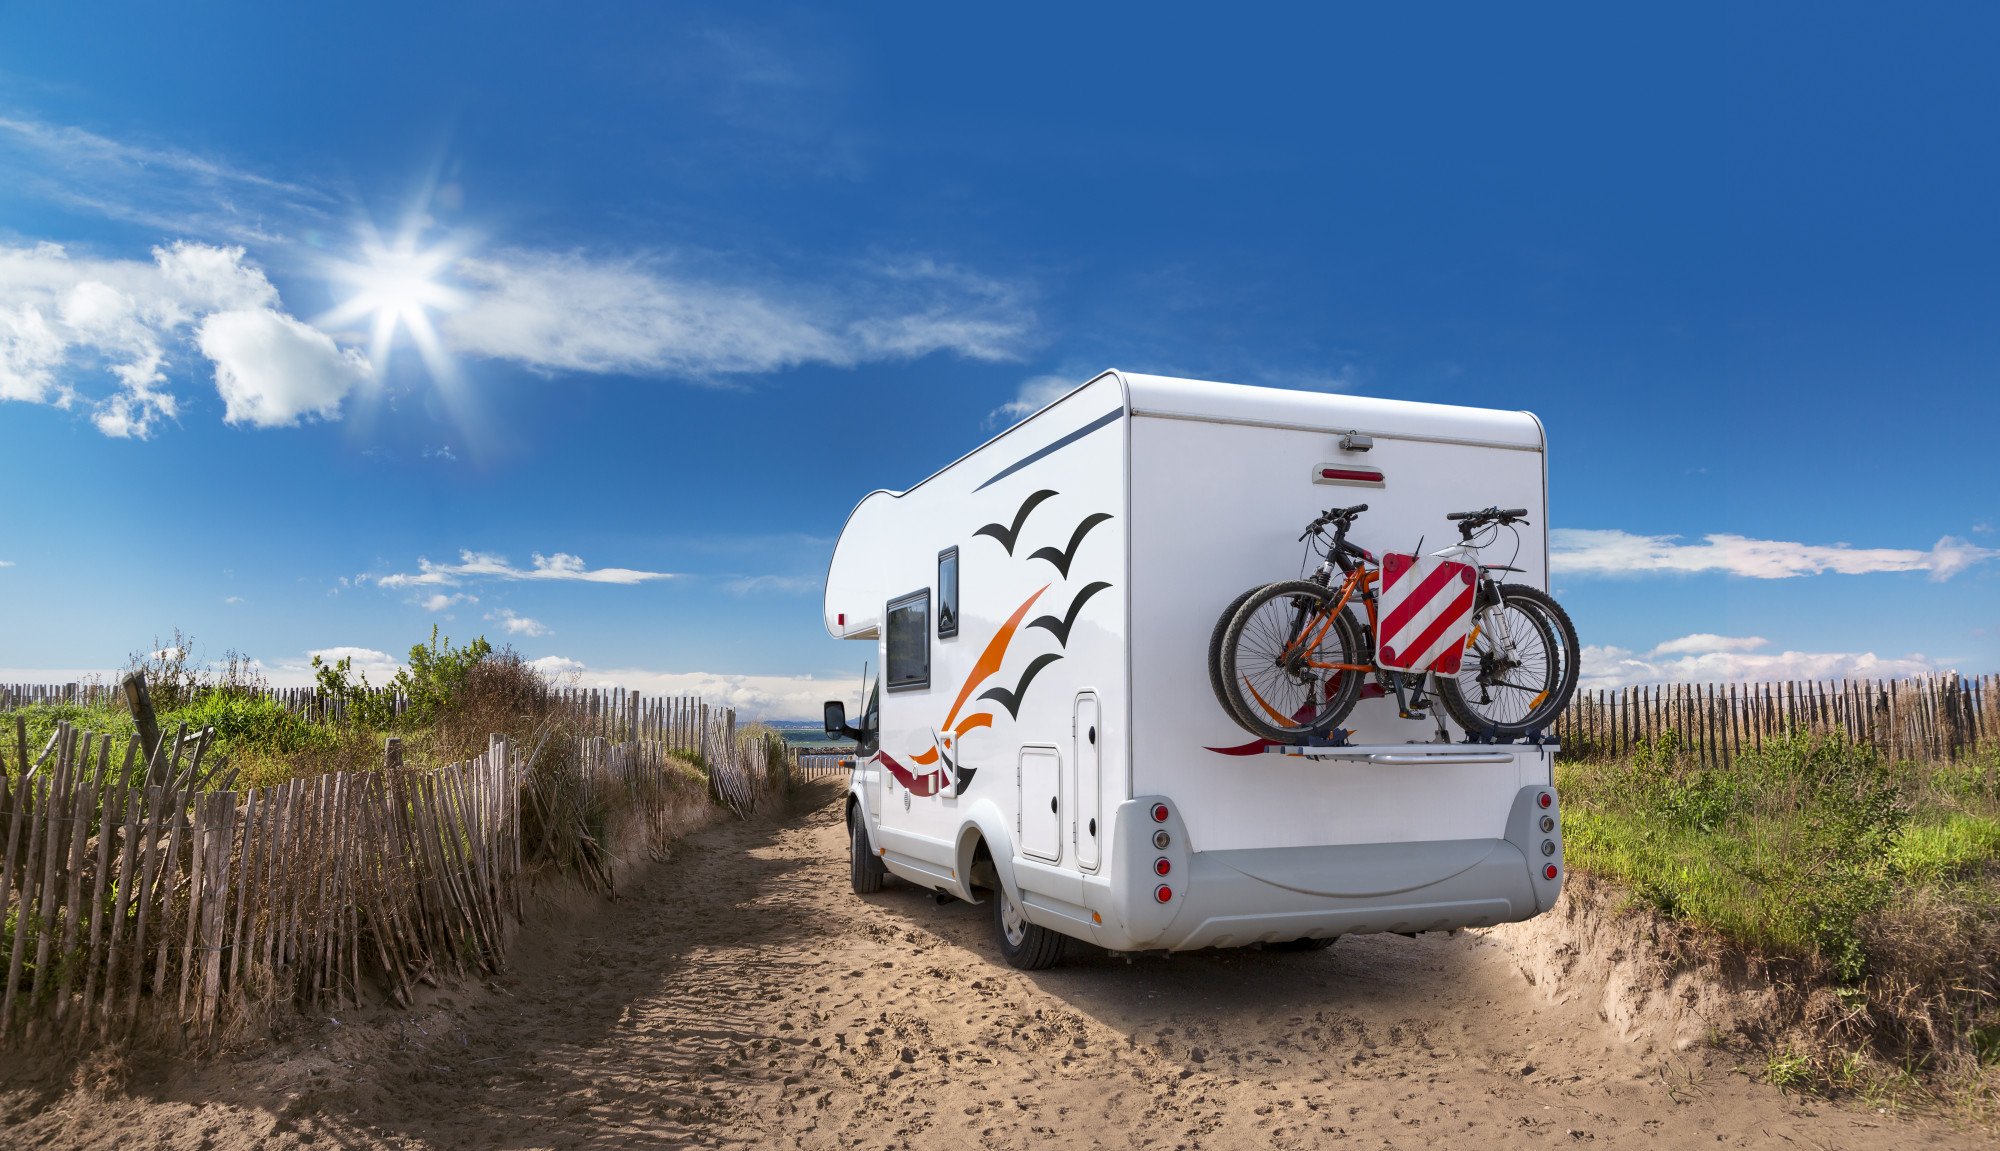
(396, 287)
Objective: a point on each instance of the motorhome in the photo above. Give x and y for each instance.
(1043, 734)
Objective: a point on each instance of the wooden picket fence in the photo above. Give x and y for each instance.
(814, 765)
(142, 892)
(1932, 718)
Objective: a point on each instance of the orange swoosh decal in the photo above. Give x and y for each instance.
(990, 659)
(928, 757)
(972, 721)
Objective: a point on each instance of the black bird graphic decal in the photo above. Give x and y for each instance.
(1060, 559)
(1011, 700)
(1060, 627)
(1007, 535)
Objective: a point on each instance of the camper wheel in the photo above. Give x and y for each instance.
(865, 865)
(1022, 944)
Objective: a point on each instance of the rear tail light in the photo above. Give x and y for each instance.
(1549, 872)
(1161, 839)
(1161, 866)
(1163, 893)
(1547, 800)
(1160, 812)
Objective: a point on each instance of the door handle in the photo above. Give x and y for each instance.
(1052, 804)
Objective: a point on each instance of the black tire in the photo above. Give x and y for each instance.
(865, 866)
(1023, 945)
(1569, 648)
(1215, 680)
(1268, 680)
(1510, 687)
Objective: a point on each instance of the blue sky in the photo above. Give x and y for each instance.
(665, 275)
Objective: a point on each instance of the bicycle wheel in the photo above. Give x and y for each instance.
(1511, 670)
(1282, 657)
(1215, 677)
(1568, 651)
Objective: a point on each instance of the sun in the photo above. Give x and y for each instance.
(396, 286)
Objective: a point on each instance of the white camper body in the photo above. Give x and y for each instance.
(1068, 719)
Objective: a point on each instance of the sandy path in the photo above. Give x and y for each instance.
(743, 996)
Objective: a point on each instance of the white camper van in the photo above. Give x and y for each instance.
(1043, 732)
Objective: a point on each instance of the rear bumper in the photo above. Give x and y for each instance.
(1234, 898)
(1269, 895)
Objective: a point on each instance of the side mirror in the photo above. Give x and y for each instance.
(836, 717)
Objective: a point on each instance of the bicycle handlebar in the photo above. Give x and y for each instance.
(1488, 514)
(1341, 516)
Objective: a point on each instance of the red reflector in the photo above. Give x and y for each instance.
(1549, 872)
(1362, 474)
(841, 619)
(1160, 812)
(1161, 866)
(1547, 799)
(1163, 893)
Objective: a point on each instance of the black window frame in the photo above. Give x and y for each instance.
(947, 608)
(889, 681)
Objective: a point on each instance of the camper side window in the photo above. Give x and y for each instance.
(947, 592)
(908, 633)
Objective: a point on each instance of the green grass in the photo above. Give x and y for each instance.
(1794, 850)
(263, 742)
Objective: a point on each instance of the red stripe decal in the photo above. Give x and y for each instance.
(1418, 597)
(1451, 615)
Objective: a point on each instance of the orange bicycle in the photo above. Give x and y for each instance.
(1289, 660)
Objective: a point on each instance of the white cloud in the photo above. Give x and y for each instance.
(378, 665)
(72, 327)
(1708, 642)
(558, 668)
(1592, 552)
(232, 599)
(441, 601)
(753, 696)
(472, 565)
(1035, 393)
(553, 311)
(517, 624)
(6, 563)
(1697, 659)
(272, 370)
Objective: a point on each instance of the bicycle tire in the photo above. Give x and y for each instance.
(1570, 647)
(1215, 680)
(1503, 682)
(1258, 639)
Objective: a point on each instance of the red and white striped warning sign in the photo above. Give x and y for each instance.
(1425, 611)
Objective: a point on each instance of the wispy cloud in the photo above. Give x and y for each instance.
(6, 563)
(171, 189)
(517, 624)
(1710, 642)
(486, 565)
(1707, 658)
(744, 585)
(557, 312)
(1595, 552)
